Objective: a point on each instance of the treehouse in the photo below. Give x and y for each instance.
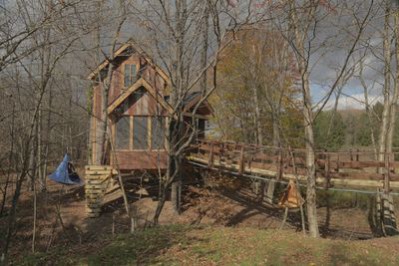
(138, 109)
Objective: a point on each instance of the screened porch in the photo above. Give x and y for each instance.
(139, 142)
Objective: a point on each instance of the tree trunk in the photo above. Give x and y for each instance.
(301, 55)
(383, 138)
(258, 124)
(395, 96)
(174, 139)
(310, 160)
(271, 187)
(176, 188)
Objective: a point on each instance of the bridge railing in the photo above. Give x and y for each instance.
(353, 166)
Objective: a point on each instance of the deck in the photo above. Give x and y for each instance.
(353, 169)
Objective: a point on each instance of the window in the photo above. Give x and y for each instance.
(157, 132)
(122, 133)
(130, 75)
(140, 133)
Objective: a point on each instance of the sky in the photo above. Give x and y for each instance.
(350, 98)
(337, 34)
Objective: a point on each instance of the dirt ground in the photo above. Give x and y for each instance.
(62, 219)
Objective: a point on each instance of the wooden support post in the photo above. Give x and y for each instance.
(386, 175)
(378, 214)
(357, 155)
(392, 213)
(242, 160)
(280, 165)
(210, 159)
(327, 170)
(385, 207)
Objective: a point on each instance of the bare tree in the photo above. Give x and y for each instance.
(189, 59)
(301, 26)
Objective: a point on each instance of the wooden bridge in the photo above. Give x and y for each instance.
(350, 169)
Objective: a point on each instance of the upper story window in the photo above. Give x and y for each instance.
(130, 75)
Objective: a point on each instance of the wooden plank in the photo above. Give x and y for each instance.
(95, 194)
(99, 178)
(94, 186)
(354, 164)
(302, 178)
(94, 202)
(98, 173)
(93, 191)
(98, 167)
(97, 182)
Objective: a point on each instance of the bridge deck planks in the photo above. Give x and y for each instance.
(354, 169)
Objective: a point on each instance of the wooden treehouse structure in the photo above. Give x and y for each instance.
(137, 109)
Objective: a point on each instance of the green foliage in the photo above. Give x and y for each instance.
(352, 128)
(340, 199)
(329, 131)
(255, 100)
(365, 129)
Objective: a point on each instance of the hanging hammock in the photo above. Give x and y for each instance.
(65, 173)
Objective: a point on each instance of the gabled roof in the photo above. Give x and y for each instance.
(192, 99)
(138, 84)
(189, 101)
(124, 47)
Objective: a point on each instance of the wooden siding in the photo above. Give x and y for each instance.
(141, 160)
(147, 72)
(145, 106)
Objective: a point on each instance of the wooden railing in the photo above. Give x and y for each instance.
(353, 168)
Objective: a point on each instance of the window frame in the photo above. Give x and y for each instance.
(149, 134)
(163, 125)
(132, 80)
(115, 133)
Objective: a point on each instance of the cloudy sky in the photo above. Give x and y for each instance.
(336, 35)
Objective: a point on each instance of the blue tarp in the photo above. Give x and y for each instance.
(63, 175)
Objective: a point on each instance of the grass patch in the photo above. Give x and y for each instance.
(185, 245)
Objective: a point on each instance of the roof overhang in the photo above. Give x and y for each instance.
(193, 103)
(138, 84)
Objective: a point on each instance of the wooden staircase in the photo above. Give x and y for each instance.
(98, 181)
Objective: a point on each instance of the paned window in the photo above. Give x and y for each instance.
(122, 136)
(140, 133)
(130, 75)
(157, 132)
